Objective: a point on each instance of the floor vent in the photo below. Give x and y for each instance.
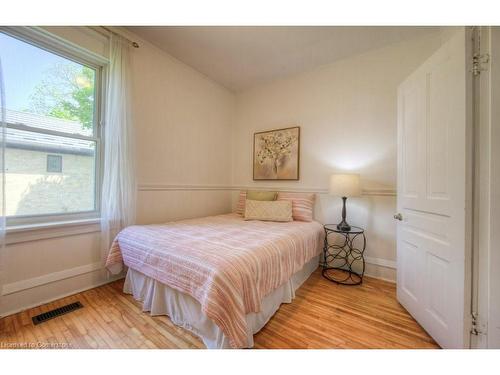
(56, 312)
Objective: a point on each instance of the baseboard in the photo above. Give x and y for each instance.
(378, 277)
(381, 262)
(62, 295)
(381, 269)
(34, 282)
(381, 272)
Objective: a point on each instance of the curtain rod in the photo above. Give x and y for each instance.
(134, 44)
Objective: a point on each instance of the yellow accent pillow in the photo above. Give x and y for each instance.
(268, 210)
(256, 195)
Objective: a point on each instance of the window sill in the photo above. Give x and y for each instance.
(39, 231)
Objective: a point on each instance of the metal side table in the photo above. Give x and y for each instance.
(343, 259)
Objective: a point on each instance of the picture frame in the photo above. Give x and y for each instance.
(276, 154)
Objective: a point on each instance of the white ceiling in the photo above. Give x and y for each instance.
(242, 57)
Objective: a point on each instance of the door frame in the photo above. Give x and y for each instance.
(471, 100)
(486, 287)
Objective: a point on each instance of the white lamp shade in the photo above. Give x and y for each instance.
(345, 185)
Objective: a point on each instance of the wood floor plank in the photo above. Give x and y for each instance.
(323, 315)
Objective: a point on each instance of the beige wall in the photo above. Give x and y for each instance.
(183, 132)
(347, 114)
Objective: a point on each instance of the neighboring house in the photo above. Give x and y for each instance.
(47, 173)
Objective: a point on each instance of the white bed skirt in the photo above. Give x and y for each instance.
(185, 311)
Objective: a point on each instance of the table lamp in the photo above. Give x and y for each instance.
(344, 185)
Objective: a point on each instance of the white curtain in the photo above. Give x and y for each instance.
(2, 182)
(118, 188)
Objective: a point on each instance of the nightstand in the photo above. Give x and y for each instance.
(343, 256)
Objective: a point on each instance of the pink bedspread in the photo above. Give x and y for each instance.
(227, 264)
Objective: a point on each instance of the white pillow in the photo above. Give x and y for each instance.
(268, 210)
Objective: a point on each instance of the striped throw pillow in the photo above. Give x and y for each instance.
(240, 207)
(302, 204)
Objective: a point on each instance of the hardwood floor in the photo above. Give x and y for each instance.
(323, 315)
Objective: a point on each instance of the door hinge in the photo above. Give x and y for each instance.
(476, 327)
(480, 63)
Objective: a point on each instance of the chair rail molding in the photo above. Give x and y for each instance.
(203, 187)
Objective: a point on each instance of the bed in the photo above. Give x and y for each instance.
(220, 277)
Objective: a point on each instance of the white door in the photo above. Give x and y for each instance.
(433, 194)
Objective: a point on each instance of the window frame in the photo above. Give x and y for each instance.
(51, 43)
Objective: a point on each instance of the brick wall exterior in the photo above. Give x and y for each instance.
(30, 189)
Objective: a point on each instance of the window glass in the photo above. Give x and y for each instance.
(33, 190)
(50, 154)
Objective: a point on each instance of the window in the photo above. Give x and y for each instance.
(54, 163)
(52, 110)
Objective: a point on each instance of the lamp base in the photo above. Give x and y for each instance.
(343, 226)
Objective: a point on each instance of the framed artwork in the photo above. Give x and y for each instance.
(276, 154)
